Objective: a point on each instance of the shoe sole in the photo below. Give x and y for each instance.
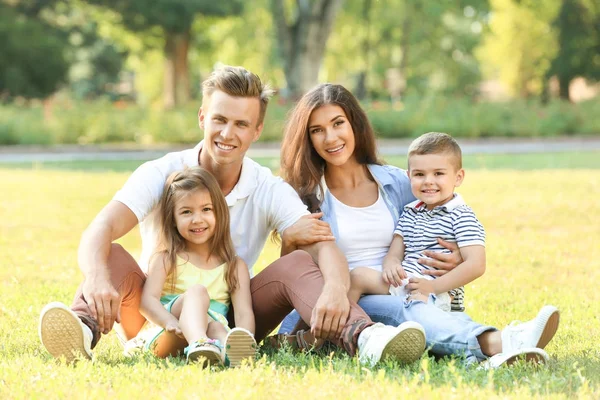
(207, 357)
(407, 346)
(536, 358)
(547, 320)
(62, 335)
(240, 345)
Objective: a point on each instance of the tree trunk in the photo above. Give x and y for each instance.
(176, 85)
(302, 43)
(563, 88)
(361, 83)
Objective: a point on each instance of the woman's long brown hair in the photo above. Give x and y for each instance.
(171, 242)
(301, 165)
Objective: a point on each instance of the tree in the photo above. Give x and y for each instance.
(302, 38)
(173, 20)
(578, 25)
(521, 44)
(34, 62)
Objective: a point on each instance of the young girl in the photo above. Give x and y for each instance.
(195, 276)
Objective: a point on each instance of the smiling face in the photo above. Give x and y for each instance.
(230, 126)
(433, 178)
(331, 134)
(195, 218)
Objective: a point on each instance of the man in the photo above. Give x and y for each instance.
(314, 281)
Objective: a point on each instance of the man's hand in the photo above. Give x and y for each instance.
(173, 327)
(330, 313)
(307, 230)
(393, 273)
(104, 302)
(420, 286)
(442, 262)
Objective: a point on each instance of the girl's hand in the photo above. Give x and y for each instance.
(393, 273)
(173, 327)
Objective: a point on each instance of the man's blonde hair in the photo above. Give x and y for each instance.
(238, 82)
(436, 143)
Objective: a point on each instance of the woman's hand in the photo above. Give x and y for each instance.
(443, 262)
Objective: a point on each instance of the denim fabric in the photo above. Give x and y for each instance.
(446, 333)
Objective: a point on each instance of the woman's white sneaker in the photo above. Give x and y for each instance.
(531, 334)
(63, 334)
(534, 355)
(405, 343)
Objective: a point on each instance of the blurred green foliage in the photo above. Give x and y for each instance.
(102, 122)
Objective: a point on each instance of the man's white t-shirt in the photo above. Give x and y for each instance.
(259, 203)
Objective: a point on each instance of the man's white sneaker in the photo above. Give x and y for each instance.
(535, 333)
(239, 345)
(405, 343)
(63, 334)
(535, 355)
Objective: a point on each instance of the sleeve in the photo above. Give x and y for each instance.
(400, 225)
(142, 190)
(283, 206)
(467, 228)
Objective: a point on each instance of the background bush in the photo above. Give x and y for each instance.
(104, 122)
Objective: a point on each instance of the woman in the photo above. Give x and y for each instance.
(329, 157)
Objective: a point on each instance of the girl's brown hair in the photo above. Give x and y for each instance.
(171, 242)
(301, 165)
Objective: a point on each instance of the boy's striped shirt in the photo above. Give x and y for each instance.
(454, 222)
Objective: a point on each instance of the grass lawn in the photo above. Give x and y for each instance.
(542, 248)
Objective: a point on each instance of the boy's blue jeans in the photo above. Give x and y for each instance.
(447, 333)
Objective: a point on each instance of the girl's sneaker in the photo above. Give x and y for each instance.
(239, 345)
(207, 351)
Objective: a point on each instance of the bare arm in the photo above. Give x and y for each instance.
(470, 269)
(113, 221)
(241, 299)
(150, 306)
(332, 308)
(393, 273)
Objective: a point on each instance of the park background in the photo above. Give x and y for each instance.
(90, 89)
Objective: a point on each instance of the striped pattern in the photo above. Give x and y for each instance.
(454, 222)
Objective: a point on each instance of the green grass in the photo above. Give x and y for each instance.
(542, 248)
(568, 160)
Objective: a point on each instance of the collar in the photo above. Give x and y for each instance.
(248, 178)
(381, 175)
(456, 201)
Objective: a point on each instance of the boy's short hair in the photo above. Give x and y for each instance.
(238, 82)
(436, 143)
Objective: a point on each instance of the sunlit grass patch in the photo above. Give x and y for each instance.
(542, 247)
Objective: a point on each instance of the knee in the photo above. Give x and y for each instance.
(197, 292)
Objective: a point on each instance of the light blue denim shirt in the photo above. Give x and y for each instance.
(394, 186)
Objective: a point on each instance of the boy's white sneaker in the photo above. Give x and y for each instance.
(535, 355)
(531, 334)
(63, 334)
(239, 345)
(405, 343)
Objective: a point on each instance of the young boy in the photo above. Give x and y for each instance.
(434, 169)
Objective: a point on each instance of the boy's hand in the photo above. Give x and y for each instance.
(393, 273)
(442, 262)
(420, 285)
(173, 327)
